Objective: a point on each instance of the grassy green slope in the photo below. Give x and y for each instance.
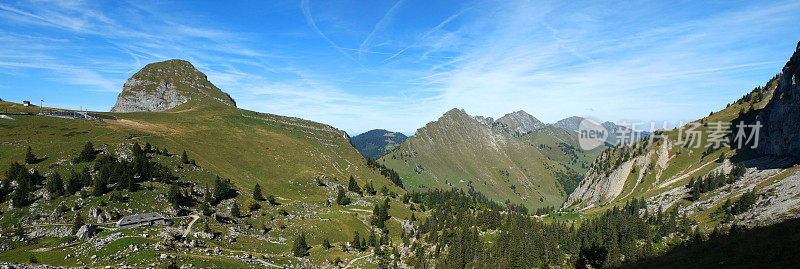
(458, 151)
(284, 155)
(280, 153)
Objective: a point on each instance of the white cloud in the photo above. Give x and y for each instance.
(513, 58)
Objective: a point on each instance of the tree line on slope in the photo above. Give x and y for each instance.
(455, 235)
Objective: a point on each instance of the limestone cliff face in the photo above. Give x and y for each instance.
(164, 85)
(781, 117)
(602, 185)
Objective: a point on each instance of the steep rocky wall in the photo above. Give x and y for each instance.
(781, 117)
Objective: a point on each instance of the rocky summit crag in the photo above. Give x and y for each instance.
(165, 85)
(516, 123)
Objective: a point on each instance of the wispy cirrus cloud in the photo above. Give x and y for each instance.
(381, 25)
(534, 56)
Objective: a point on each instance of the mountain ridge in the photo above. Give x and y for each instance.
(518, 159)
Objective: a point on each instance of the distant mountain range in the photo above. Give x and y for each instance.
(614, 130)
(376, 143)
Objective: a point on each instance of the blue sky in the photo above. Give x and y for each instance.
(361, 65)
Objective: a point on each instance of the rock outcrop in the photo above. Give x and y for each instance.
(165, 85)
(780, 134)
(86, 232)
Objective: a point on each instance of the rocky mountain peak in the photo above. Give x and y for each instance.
(520, 122)
(164, 85)
(454, 113)
(569, 124)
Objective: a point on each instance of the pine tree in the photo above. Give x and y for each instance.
(174, 196)
(419, 257)
(356, 243)
(300, 248)
(341, 197)
(373, 239)
(369, 189)
(257, 193)
(353, 186)
(19, 197)
(379, 216)
(130, 182)
(73, 183)
(88, 153)
(235, 210)
(99, 187)
(55, 185)
(29, 157)
(25, 182)
(184, 158)
(85, 178)
(222, 190)
(77, 223)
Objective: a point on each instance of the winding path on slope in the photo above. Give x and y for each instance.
(354, 260)
(189, 228)
(684, 175)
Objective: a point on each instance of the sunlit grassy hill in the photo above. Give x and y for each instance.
(459, 151)
(278, 152)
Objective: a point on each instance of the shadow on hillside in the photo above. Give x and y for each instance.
(39, 160)
(751, 157)
(774, 246)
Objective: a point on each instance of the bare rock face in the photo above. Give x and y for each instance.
(86, 232)
(165, 85)
(781, 117)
